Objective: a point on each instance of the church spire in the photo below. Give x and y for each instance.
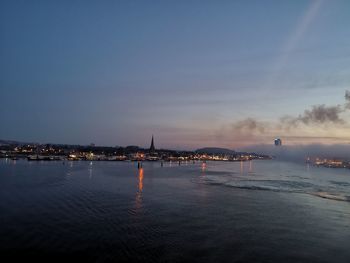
(152, 149)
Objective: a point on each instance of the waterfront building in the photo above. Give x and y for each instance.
(278, 142)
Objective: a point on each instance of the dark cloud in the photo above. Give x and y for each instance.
(252, 130)
(319, 114)
(322, 114)
(249, 125)
(242, 132)
(347, 99)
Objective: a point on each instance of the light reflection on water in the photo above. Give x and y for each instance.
(140, 179)
(204, 166)
(90, 170)
(138, 197)
(250, 166)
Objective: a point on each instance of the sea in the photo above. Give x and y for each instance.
(254, 211)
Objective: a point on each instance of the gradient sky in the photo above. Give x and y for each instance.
(189, 72)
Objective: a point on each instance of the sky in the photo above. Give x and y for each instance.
(193, 73)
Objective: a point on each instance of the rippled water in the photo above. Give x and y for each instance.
(284, 177)
(262, 211)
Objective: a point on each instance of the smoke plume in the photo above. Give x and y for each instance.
(318, 116)
(249, 125)
(347, 99)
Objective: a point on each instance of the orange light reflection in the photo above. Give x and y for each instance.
(140, 179)
(204, 166)
(241, 167)
(138, 197)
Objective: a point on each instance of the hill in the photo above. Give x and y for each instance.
(215, 150)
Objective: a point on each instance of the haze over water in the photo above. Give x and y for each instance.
(219, 212)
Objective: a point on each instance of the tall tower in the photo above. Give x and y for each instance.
(152, 149)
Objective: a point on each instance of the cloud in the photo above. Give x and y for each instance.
(318, 121)
(249, 125)
(347, 99)
(317, 115)
(242, 132)
(320, 114)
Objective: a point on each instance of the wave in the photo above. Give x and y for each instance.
(332, 196)
(284, 186)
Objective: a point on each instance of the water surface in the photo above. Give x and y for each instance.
(264, 211)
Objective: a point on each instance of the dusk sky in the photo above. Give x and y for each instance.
(193, 73)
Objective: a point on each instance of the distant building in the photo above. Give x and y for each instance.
(152, 149)
(278, 142)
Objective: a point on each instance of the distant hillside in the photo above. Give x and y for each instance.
(9, 142)
(215, 150)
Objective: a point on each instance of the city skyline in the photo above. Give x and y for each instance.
(194, 75)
